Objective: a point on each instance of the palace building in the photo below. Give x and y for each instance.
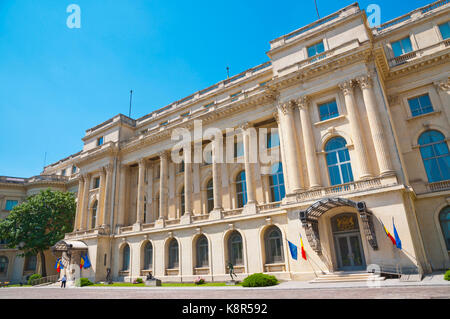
(360, 119)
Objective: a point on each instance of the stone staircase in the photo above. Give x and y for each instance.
(347, 277)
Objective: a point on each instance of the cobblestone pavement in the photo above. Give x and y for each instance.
(415, 292)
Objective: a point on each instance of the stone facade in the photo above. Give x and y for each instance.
(141, 211)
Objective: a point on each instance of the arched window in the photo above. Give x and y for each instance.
(145, 209)
(338, 161)
(210, 195)
(241, 189)
(173, 254)
(30, 263)
(3, 264)
(277, 189)
(126, 258)
(182, 202)
(435, 156)
(274, 246)
(94, 214)
(148, 256)
(202, 252)
(444, 219)
(235, 248)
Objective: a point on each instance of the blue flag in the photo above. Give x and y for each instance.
(293, 250)
(61, 264)
(56, 264)
(397, 237)
(87, 262)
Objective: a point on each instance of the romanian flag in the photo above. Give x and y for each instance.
(87, 262)
(82, 261)
(58, 265)
(390, 236)
(397, 237)
(302, 247)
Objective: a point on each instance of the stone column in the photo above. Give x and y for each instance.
(149, 207)
(376, 126)
(310, 144)
(101, 199)
(106, 199)
(122, 194)
(286, 116)
(140, 192)
(248, 166)
(282, 152)
(355, 124)
(216, 169)
(80, 196)
(163, 191)
(188, 183)
(85, 211)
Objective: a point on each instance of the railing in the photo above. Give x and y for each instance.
(439, 186)
(399, 270)
(434, 5)
(419, 53)
(45, 280)
(269, 206)
(48, 178)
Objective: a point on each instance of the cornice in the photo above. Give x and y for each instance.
(110, 149)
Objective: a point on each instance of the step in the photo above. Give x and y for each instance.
(350, 277)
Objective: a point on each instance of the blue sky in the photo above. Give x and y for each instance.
(56, 82)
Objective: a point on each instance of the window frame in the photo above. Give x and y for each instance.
(11, 200)
(243, 193)
(268, 241)
(421, 109)
(401, 44)
(327, 103)
(100, 141)
(338, 162)
(433, 158)
(202, 252)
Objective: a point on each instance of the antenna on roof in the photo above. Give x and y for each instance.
(45, 158)
(131, 97)
(228, 72)
(317, 10)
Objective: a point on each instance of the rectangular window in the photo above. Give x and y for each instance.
(315, 49)
(10, 204)
(100, 141)
(273, 139)
(420, 105)
(402, 46)
(328, 110)
(445, 30)
(63, 172)
(74, 169)
(97, 182)
(238, 149)
(235, 96)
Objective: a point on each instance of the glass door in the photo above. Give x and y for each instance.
(349, 251)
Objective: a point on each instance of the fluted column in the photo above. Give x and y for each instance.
(80, 197)
(310, 144)
(164, 169)
(149, 208)
(376, 126)
(84, 213)
(216, 170)
(187, 154)
(140, 192)
(101, 198)
(122, 194)
(355, 124)
(107, 195)
(248, 166)
(276, 115)
(286, 116)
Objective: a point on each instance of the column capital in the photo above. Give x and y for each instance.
(163, 154)
(347, 87)
(85, 176)
(303, 102)
(245, 126)
(141, 162)
(364, 81)
(286, 107)
(443, 85)
(108, 168)
(276, 116)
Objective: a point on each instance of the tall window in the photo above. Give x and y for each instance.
(182, 202)
(145, 209)
(338, 161)
(63, 172)
(238, 149)
(173, 254)
(74, 169)
(276, 180)
(94, 214)
(100, 141)
(273, 138)
(3, 264)
(315, 49)
(148, 256)
(444, 219)
(435, 156)
(241, 189)
(96, 182)
(274, 245)
(210, 195)
(30, 263)
(402, 46)
(10, 204)
(202, 252)
(328, 110)
(445, 30)
(235, 248)
(181, 167)
(126, 258)
(420, 105)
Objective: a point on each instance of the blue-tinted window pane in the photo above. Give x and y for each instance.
(315, 49)
(10, 204)
(444, 218)
(273, 139)
(402, 46)
(420, 105)
(328, 110)
(435, 156)
(445, 30)
(335, 178)
(338, 161)
(406, 44)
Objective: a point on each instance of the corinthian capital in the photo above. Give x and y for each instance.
(443, 85)
(303, 102)
(287, 107)
(347, 87)
(364, 82)
(163, 155)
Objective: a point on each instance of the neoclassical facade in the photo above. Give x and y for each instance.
(343, 131)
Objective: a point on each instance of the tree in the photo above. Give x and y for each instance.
(38, 223)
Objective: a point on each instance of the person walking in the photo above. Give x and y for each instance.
(63, 281)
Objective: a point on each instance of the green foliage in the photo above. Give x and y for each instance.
(447, 275)
(33, 277)
(199, 281)
(138, 281)
(81, 282)
(40, 222)
(259, 280)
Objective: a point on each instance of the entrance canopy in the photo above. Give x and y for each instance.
(310, 220)
(69, 245)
